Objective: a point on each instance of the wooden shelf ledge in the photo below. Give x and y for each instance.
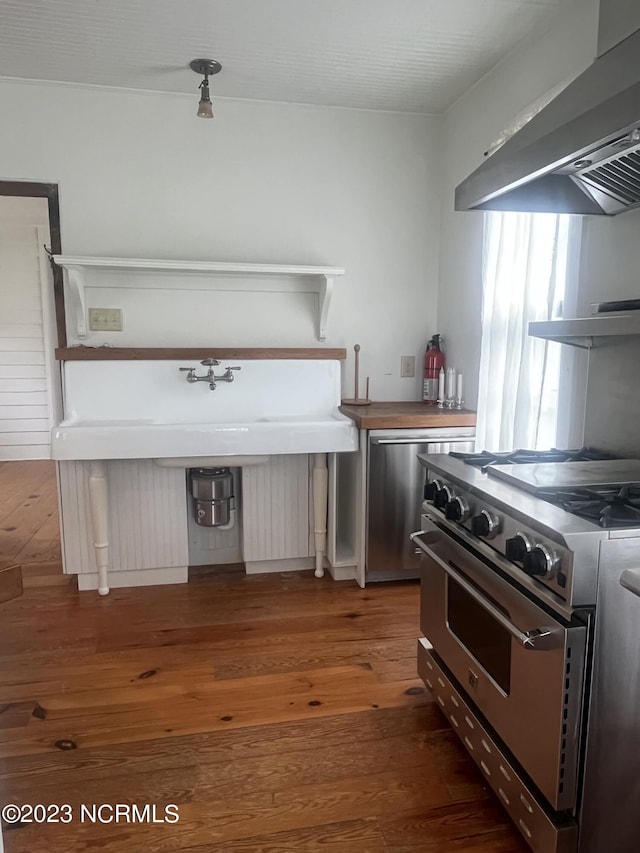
(83, 353)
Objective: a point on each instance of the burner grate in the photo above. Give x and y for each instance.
(523, 457)
(609, 507)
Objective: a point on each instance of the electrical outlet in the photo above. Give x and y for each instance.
(407, 366)
(105, 319)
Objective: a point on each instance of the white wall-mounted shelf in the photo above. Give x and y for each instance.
(201, 276)
(584, 332)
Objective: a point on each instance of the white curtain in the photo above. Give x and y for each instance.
(525, 268)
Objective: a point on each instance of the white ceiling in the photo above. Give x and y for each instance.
(406, 55)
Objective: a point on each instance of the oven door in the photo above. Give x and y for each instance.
(522, 668)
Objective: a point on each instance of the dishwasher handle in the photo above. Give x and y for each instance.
(418, 439)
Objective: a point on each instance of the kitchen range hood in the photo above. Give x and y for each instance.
(580, 153)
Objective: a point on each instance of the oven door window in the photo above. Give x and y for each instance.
(483, 638)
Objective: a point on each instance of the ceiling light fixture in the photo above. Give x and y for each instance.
(206, 67)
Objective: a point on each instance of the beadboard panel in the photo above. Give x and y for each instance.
(75, 521)
(276, 509)
(148, 522)
(147, 516)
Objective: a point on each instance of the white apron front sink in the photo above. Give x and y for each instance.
(146, 409)
(86, 439)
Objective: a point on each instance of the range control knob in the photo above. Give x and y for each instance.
(431, 489)
(517, 547)
(457, 509)
(444, 495)
(486, 524)
(540, 562)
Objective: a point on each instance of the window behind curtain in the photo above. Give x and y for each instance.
(526, 266)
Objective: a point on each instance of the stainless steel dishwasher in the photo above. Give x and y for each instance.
(395, 487)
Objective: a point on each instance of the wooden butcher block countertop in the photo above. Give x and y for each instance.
(407, 415)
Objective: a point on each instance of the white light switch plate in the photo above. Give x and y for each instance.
(105, 319)
(407, 366)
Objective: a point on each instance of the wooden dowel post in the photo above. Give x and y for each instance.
(355, 384)
(320, 480)
(98, 505)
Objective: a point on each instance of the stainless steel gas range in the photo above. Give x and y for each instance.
(527, 571)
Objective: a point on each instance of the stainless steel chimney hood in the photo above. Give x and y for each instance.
(579, 154)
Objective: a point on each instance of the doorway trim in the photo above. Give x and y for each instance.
(34, 189)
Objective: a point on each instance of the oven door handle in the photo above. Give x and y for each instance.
(538, 639)
(630, 579)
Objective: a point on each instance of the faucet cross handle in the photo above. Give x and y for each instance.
(209, 362)
(191, 373)
(228, 375)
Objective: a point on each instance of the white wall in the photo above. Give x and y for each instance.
(140, 176)
(469, 128)
(609, 269)
(610, 259)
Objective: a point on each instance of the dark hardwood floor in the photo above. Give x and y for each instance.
(280, 713)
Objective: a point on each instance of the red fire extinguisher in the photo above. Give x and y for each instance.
(433, 363)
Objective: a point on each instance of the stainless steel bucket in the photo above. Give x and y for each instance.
(212, 490)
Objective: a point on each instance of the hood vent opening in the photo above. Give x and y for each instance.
(614, 182)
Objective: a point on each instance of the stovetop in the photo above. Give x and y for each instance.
(550, 496)
(548, 531)
(586, 482)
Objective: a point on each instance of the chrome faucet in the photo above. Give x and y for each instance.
(209, 376)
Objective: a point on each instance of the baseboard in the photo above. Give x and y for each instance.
(294, 564)
(341, 573)
(215, 557)
(137, 577)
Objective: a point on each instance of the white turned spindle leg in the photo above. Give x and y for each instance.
(320, 481)
(98, 495)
